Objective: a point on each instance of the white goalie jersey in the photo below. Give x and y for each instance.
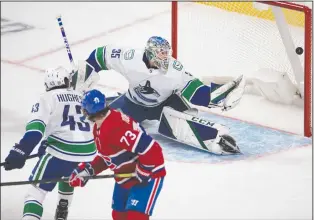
(58, 117)
(147, 86)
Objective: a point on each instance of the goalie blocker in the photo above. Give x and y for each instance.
(196, 132)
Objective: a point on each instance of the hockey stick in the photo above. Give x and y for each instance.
(67, 46)
(29, 157)
(78, 77)
(66, 42)
(66, 179)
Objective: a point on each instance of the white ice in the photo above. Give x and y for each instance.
(277, 186)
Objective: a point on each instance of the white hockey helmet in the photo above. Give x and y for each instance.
(55, 77)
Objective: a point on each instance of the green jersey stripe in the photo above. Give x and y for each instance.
(101, 58)
(36, 125)
(71, 142)
(191, 88)
(41, 167)
(74, 148)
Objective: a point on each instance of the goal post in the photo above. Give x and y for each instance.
(257, 35)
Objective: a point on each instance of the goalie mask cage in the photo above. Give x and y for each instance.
(243, 37)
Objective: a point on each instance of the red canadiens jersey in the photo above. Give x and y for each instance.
(121, 144)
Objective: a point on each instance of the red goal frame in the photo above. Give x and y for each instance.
(307, 51)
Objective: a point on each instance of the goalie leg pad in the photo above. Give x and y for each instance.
(191, 130)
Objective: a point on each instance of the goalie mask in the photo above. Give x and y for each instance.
(58, 77)
(158, 51)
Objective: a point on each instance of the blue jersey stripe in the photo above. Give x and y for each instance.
(73, 142)
(122, 158)
(91, 60)
(143, 143)
(201, 96)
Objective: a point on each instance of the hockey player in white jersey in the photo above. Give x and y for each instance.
(58, 118)
(157, 80)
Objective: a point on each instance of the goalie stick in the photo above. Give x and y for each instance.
(77, 76)
(66, 42)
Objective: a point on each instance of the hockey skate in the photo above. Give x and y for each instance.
(227, 96)
(62, 210)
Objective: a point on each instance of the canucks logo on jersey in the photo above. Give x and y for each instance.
(141, 91)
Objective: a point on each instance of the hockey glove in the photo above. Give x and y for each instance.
(77, 176)
(42, 148)
(16, 158)
(142, 174)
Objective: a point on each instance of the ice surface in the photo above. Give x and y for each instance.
(271, 180)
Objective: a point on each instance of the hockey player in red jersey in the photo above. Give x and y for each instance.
(124, 148)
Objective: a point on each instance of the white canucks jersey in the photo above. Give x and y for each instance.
(147, 86)
(58, 117)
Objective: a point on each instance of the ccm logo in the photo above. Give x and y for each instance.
(202, 121)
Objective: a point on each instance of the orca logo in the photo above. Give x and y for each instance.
(147, 89)
(147, 93)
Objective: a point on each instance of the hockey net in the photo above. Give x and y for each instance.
(246, 37)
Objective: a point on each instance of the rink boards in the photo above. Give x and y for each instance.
(253, 140)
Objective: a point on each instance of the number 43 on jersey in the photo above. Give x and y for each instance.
(68, 120)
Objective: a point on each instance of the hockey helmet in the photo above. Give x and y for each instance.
(158, 50)
(55, 77)
(93, 101)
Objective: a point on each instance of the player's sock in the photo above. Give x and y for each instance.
(33, 208)
(116, 215)
(65, 199)
(133, 215)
